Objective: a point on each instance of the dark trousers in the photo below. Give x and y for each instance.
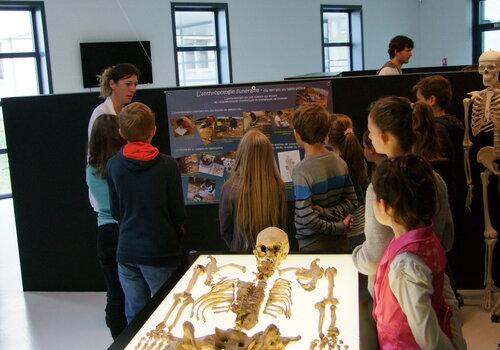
(107, 242)
(367, 327)
(328, 245)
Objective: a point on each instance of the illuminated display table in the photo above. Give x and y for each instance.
(304, 315)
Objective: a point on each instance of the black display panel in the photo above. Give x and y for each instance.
(98, 56)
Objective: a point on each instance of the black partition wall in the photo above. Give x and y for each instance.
(46, 140)
(352, 96)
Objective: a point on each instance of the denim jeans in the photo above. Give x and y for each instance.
(107, 240)
(140, 283)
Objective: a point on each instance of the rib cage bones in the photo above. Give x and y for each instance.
(486, 112)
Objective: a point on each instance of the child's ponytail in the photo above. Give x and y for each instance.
(342, 136)
(426, 142)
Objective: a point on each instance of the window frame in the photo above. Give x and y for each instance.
(478, 29)
(349, 9)
(216, 8)
(38, 22)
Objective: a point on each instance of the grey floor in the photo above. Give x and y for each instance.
(54, 320)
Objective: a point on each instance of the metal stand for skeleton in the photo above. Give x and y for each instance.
(485, 117)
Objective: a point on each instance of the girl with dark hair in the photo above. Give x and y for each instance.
(104, 142)
(118, 85)
(370, 154)
(398, 128)
(409, 295)
(343, 140)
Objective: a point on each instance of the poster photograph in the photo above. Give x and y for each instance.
(206, 125)
(286, 161)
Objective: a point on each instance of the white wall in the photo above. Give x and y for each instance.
(445, 31)
(270, 39)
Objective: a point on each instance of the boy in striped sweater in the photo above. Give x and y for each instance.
(324, 194)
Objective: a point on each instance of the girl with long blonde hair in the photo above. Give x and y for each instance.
(254, 196)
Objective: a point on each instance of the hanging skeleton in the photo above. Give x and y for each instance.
(485, 117)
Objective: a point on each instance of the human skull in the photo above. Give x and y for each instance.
(271, 249)
(489, 67)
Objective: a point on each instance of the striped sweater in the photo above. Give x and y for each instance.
(324, 181)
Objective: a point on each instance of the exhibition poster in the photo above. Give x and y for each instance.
(206, 125)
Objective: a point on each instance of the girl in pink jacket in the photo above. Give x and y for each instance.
(409, 303)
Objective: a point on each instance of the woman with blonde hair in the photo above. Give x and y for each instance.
(254, 196)
(117, 86)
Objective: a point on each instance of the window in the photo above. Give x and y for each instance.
(201, 44)
(342, 39)
(24, 63)
(486, 27)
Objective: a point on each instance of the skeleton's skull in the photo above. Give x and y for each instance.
(489, 67)
(270, 250)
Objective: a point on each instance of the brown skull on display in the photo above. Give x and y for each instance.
(271, 249)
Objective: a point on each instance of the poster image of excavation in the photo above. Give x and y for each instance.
(206, 125)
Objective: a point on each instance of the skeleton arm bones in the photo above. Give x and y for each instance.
(467, 144)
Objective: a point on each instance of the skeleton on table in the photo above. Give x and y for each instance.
(271, 248)
(485, 117)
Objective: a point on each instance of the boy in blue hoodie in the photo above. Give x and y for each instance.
(146, 199)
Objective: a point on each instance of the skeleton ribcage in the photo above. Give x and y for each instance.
(483, 118)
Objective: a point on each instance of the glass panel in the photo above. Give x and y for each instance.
(337, 59)
(491, 40)
(489, 11)
(195, 28)
(336, 27)
(18, 77)
(5, 187)
(197, 68)
(16, 32)
(3, 144)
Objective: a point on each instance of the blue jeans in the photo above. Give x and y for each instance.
(140, 283)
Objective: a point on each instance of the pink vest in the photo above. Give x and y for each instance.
(392, 326)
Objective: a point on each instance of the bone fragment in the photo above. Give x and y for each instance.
(247, 305)
(212, 269)
(185, 303)
(307, 278)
